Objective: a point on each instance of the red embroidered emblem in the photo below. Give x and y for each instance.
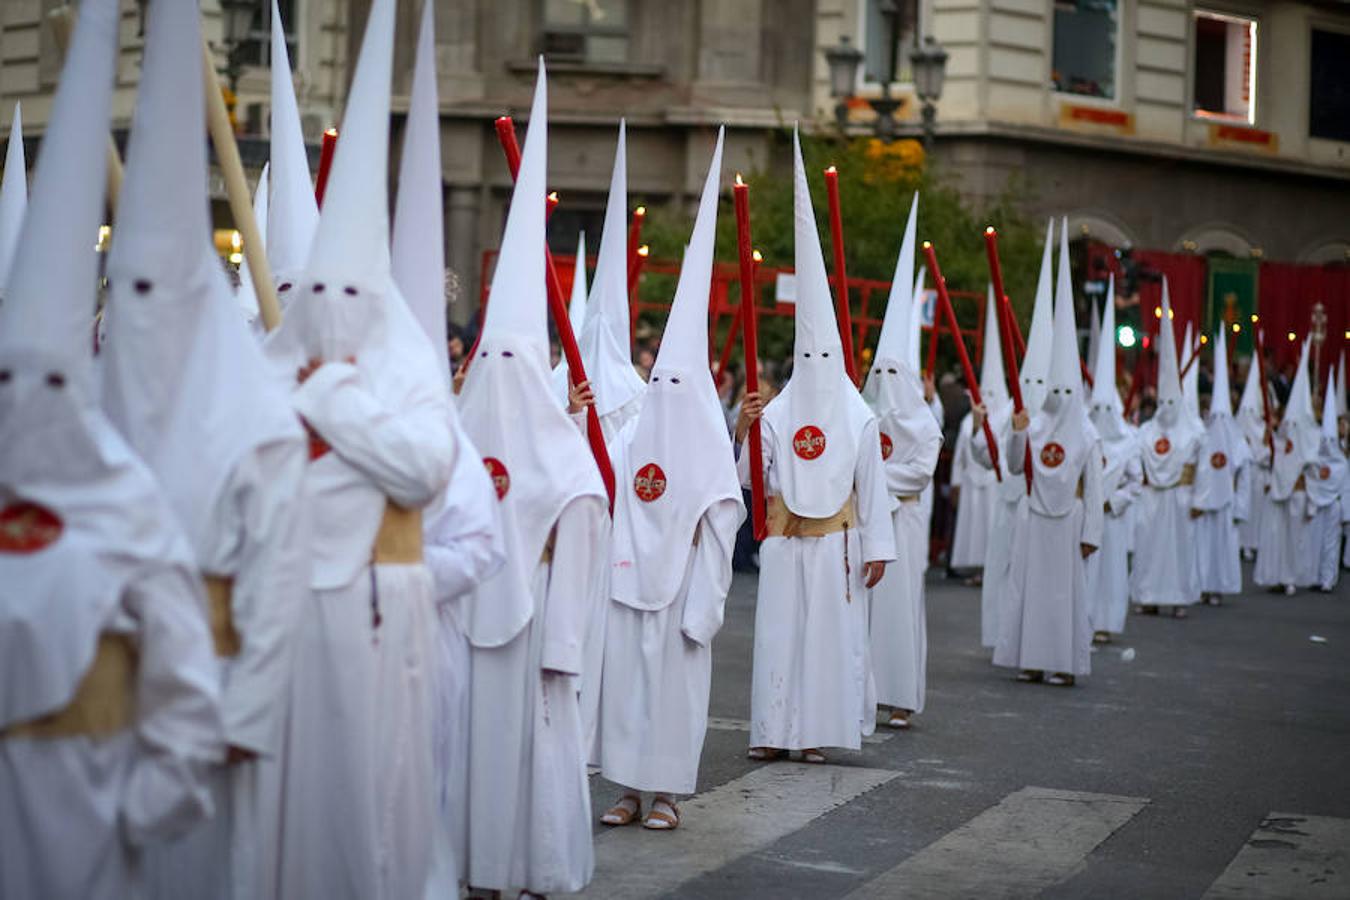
(649, 483)
(887, 446)
(1324, 473)
(27, 528)
(808, 442)
(501, 479)
(317, 446)
(1218, 460)
(1162, 446)
(1052, 455)
(1288, 446)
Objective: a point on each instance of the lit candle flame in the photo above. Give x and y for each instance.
(643, 250)
(640, 211)
(927, 244)
(331, 132)
(1292, 336)
(552, 196)
(739, 182)
(989, 229)
(758, 257)
(1237, 328)
(831, 171)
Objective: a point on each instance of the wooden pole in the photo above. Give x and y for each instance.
(750, 329)
(841, 303)
(557, 304)
(236, 189)
(945, 302)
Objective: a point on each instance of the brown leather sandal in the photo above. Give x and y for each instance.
(765, 754)
(813, 756)
(627, 811)
(660, 820)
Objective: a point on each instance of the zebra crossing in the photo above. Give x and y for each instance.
(1029, 841)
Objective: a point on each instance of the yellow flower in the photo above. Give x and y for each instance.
(897, 161)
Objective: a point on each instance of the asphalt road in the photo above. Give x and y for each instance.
(1215, 762)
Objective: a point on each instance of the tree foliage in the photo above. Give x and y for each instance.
(876, 185)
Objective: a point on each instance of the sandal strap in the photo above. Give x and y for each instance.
(671, 819)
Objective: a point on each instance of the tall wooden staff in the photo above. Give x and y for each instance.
(1006, 323)
(749, 328)
(557, 304)
(841, 304)
(946, 303)
(1265, 397)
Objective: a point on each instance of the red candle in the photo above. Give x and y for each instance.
(634, 275)
(1006, 324)
(635, 241)
(841, 304)
(326, 149)
(749, 329)
(557, 304)
(946, 303)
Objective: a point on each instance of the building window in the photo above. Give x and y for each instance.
(1225, 67)
(586, 30)
(256, 50)
(1085, 48)
(1329, 82)
(878, 18)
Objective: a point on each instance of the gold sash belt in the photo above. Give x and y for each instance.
(907, 498)
(399, 540)
(1187, 478)
(1301, 484)
(783, 522)
(104, 703)
(220, 611)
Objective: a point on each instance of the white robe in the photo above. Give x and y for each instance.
(658, 670)
(259, 539)
(812, 683)
(897, 626)
(1249, 530)
(358, 815)
(975, 506)
(998, 550)
(1043, 622)
(1163, 572)
(1321, 566)
(1108, 570)
(1284, 538)
(463, 546)
(529, 809)
(1218, 552)
(76, 814)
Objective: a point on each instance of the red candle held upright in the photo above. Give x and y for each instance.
(1006, 323)
(325, 163)
(557, 305)
(635, 239)
(841, 304)
(749, 329)
(945, 303)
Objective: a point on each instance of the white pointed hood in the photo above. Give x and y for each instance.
(911, 356)
(69, 485)
(1107, 411)
(1224, 450)
(1327, 483)
(576, 314)
(1169, 439)
(1035, 370)
(1251, 414)
(993, 379)
(13, 195)
(293, 214)
(819, 416)
(893, 389)
(1190, 382)
(1060, 435)
(1298, 437)
(183, 379)
(418, 250)
(604, 341)
(679, 462)
(538, 459)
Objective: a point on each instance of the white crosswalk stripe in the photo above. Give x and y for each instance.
(1032, 839)
(1289, 855)
(724, 824)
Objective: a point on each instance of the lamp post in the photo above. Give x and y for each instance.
(238, 21)
(929, 60)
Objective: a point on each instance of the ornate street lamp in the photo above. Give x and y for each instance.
(238, 21)
(843, 59)
(930, 70)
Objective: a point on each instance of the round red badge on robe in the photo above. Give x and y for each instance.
(1288, 446)
(1052, 455)
(887, 446)
(649, 483)
(1218, 460)
(28, 527)
(1161, 446)
(1324, 473)
(808, 442)
(501, 479)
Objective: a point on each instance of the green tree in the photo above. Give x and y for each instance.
(876, 185)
